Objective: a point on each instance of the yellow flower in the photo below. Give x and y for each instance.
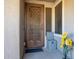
(61, 46)
(62, 43)
(65, 40)
(68, 42)
(64, 36)
(71, 43)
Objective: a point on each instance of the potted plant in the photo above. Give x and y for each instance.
(66, 44)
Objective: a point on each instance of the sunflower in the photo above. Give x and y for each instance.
(64, 36)
(65, 41)
(68, 42)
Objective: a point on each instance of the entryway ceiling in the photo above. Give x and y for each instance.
(48, 0)
(43, 0)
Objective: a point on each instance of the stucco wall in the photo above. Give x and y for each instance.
(12, 29)
(69, 15)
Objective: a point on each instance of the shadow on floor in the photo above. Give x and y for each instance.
(54, 54)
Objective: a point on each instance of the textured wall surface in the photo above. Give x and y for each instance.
(69, 16)
(12, 19)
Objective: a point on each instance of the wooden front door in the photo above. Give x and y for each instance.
(34, 24)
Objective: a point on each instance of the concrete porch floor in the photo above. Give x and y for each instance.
(54, 54)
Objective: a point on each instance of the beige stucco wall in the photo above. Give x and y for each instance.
(13, 29)
(68, 15)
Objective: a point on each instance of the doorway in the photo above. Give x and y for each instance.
(35, 16)
(34, 26)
